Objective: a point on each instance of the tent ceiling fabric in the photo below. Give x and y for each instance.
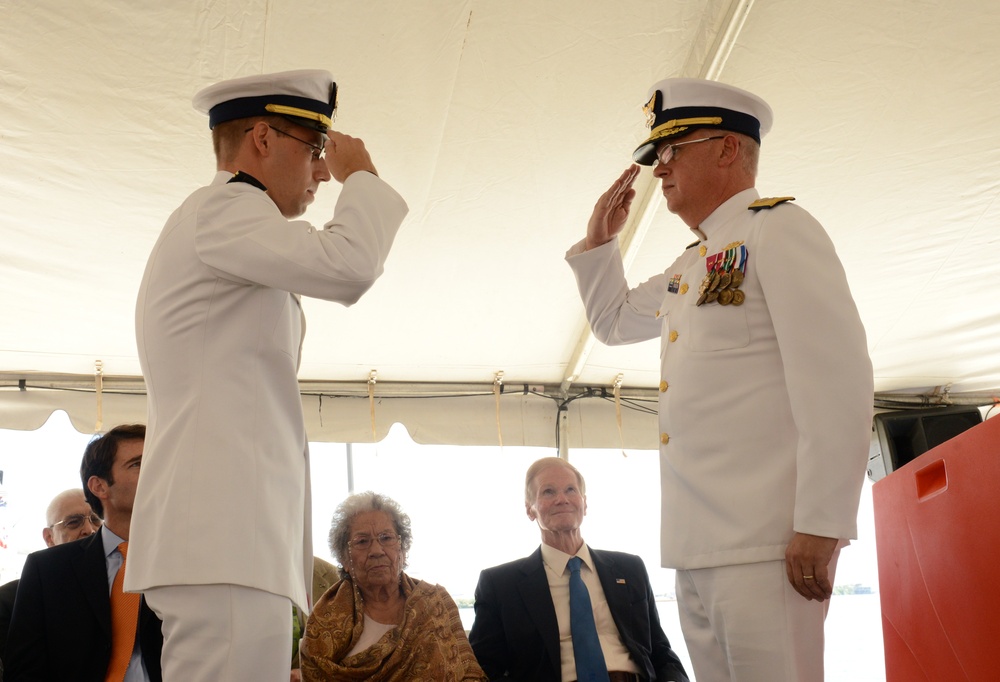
(501, 124)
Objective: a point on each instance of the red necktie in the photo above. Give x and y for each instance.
(124, 616)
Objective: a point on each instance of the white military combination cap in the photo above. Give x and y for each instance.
(678, 105)
(307, 97)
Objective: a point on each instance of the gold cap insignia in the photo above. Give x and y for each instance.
(650, 108)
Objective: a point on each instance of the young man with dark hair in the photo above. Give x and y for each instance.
(71, 619)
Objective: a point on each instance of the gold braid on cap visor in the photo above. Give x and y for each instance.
(302, 113)
(677, 125)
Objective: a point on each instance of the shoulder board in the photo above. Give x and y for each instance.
(692, 244)
(768, 202)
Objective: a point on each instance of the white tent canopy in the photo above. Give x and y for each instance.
(500, 123)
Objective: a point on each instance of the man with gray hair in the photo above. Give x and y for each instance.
(765, 386)
(569, 611)
(69, 517)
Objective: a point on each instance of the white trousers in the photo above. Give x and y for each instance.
(746, 623)
(223, 633)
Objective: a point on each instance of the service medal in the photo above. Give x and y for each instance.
(705, 283)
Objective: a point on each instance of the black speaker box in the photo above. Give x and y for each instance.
(900, 437)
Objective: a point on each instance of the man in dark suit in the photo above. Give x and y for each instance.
(61, 628)
(522, 629)
(69, 517)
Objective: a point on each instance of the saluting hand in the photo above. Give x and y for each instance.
(612, 209)
(345, 155)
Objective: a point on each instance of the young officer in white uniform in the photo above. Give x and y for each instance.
(766, 386)
(221, 527)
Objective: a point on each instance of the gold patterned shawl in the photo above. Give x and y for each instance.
(430, 644)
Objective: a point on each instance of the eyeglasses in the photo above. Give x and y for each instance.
(669, 151)
(364, 542)
(76, 521)
(317, 150)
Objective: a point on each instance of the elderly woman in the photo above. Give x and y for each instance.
(377, 623)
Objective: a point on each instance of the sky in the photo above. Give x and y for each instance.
(466, 503)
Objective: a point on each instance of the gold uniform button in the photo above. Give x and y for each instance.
(664, 438)
(664, 386)
(684, 288)
(673, 336)
(702, 251)
(657, 313)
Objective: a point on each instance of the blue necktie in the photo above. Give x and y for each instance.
(590, 665)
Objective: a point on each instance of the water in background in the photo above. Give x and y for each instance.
(853, 637)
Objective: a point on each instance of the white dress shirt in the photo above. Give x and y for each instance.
(615, 654)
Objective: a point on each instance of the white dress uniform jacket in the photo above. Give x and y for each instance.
(765, 408)
(224, 493)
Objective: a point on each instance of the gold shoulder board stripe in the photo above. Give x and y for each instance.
(768, 202)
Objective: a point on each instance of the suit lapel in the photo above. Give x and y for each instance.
(613, 583)
(534, 589)
(92, 572)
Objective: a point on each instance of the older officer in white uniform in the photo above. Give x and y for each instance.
(766, 386)
(220, 531)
